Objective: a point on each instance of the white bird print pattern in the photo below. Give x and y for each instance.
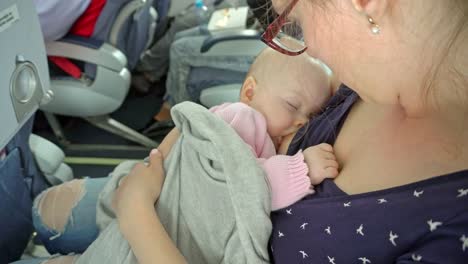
(360, 230)
(381, 201)
(462, 192)
(364, 260)
(304, 255)
(392, 238)
(415, 257)
(433, 225)
(464, 241)
(433, 222)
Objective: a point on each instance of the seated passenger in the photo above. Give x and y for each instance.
(57, 16)
(154, 63)
(274, 105)
(94, 18)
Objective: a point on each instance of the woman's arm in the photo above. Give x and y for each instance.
(134, 206)
(168, 142)
(147, 237)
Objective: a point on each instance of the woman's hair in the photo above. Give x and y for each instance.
(453, 41)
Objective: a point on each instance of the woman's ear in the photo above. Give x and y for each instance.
(374, 8)
(248, 90)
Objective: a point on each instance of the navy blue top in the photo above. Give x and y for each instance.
(425, 222)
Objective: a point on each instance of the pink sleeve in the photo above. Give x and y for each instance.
(287, 175)
(288, 178)
(249, 124)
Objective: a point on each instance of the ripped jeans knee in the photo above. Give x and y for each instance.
(55, 204)
(64, 216)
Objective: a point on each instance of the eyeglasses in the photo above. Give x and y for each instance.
(285, 36)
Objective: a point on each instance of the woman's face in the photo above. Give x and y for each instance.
(337, 34)
(327, 28)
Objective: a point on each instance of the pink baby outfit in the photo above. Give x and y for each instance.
(287, 175)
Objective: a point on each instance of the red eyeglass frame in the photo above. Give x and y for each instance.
(274, 28)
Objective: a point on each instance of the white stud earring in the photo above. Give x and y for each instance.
(374, 27)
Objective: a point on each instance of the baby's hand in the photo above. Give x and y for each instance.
(321, 162)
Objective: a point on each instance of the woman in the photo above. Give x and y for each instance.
(399, 136)
(400, 139)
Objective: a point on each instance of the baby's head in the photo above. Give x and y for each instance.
(286, 90)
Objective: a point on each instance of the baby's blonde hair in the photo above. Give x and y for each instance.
(271, 65)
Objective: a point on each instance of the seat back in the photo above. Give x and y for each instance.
(132, 29)
(23, 86)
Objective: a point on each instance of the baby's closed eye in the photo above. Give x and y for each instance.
(292, 105)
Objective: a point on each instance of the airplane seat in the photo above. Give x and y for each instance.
(238, 43)
(215, 58)
(123, 30)
(24, 86)
(233, 43)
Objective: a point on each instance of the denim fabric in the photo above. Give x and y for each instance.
(155, 60)
(20, 181)
(80, 230)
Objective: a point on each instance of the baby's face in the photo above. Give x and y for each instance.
(287, 109)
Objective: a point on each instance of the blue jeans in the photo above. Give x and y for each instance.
(80, 230)
(20, 182)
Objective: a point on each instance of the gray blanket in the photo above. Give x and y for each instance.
(214, 204)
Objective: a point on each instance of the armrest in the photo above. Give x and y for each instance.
(49, 159)
(223, 37)
(88, 50)
(53, 157)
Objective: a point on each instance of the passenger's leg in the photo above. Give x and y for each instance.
(155, 60)
(65, 216)
(53, 260)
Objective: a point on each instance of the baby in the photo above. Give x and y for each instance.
(279, 95)
(215, 203)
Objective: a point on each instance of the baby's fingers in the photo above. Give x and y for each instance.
(331, 172)
(326, 147)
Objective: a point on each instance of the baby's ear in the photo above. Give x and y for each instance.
(248, 90)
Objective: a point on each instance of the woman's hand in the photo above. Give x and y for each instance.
(134, 206)
(142, 185)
